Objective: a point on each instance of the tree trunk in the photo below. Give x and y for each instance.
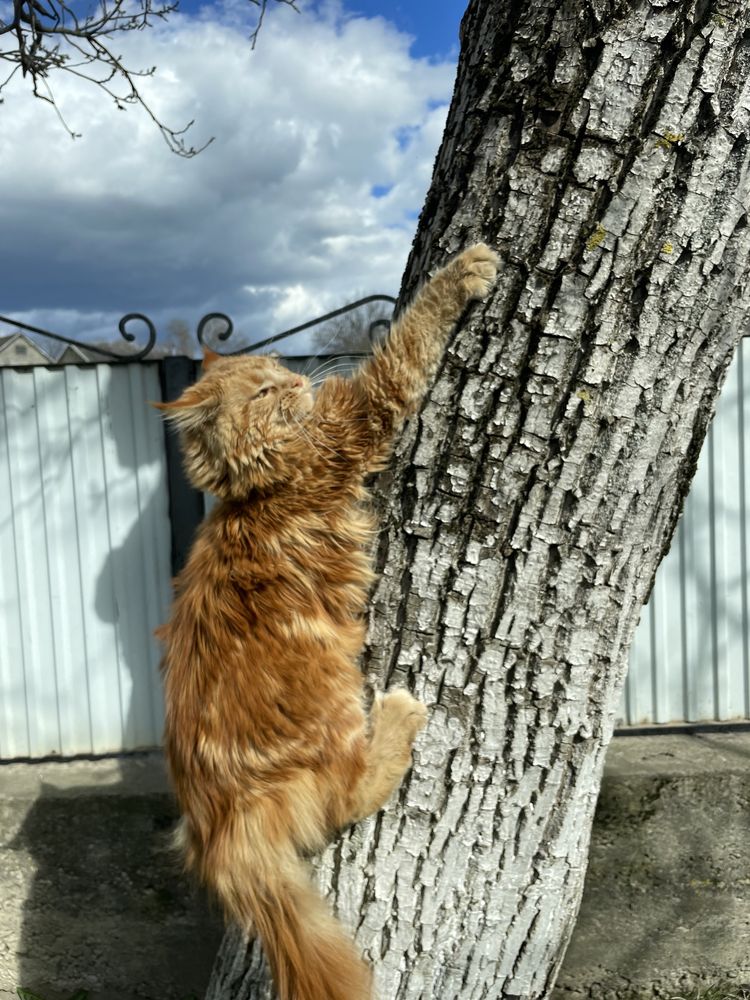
(602, 147)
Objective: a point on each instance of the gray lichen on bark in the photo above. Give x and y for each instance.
(603, 149)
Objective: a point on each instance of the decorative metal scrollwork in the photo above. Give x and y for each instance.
(226, 333)
(205, 328)
(130, 337)
(95, 348)
(210, 318)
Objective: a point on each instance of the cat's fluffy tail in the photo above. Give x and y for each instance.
(266, 889)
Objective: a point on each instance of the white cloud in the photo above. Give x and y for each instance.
(324, 141)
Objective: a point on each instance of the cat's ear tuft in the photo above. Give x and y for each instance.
(168, 408)
(193, 406)
(209, 357)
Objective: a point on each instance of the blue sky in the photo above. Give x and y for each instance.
(324, 140)
(433, 24)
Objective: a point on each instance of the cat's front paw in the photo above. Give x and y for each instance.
(477, 270)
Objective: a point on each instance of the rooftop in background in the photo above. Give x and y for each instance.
(20, 350)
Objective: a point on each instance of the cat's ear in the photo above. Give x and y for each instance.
(193, 407)
(209, 357)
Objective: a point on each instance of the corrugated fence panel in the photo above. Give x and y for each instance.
(84, 575)
(689, 661)
(85, 568)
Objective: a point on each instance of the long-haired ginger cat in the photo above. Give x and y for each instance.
(268, 742)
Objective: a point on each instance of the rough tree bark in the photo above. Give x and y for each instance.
(602, 147)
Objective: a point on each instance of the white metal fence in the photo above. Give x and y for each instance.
(85, 568)
(84, 559)
(690, 661)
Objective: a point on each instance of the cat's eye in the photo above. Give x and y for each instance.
(264, 391)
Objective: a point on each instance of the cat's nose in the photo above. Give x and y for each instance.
(297, 382)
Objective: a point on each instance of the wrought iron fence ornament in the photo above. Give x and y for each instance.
(114, 355)
(209, 318)
(130, 337)
(201, 332)
(267, 341)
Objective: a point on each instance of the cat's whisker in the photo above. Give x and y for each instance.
(327, 359)
(344, 369)
(310, 442)
(301, 432)
(320, 379)
(311, 361)
(306, 432)
(334, 362)
(324, 348)
(317, 385)
(308, 437)
(323, 371)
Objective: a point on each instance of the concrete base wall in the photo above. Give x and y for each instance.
(90, 896)
(666, 906)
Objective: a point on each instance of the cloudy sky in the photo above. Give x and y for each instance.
(324, 139)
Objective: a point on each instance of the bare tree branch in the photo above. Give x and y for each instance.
(262, 5)
(40, 37)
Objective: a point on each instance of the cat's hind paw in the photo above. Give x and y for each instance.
(477, 269)
(398, 711)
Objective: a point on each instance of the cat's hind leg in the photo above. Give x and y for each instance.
(395, 719)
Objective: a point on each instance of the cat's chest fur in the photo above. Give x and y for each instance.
(327, 554)
(301, 568)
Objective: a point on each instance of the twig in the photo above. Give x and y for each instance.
(43, 36)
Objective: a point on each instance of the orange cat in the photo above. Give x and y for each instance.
(268, 743)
